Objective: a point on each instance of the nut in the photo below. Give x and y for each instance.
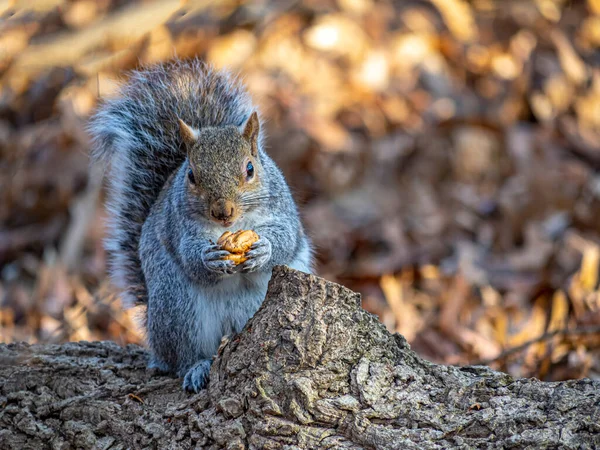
(237, 258)
(237, 244)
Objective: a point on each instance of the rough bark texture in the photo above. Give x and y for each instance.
(310, 370)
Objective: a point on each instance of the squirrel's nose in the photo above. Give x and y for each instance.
(222, 209)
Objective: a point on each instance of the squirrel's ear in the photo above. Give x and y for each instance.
(250, 132)
(188, 134)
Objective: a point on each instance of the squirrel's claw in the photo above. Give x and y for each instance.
(212, 257)
(258, 255)
(197, 377)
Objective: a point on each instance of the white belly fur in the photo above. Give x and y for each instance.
(228, 305)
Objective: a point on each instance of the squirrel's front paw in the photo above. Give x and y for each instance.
(258, 255)
(212, 258)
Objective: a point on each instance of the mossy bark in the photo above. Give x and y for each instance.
(310, 370)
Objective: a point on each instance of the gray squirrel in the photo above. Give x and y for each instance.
(184, 146)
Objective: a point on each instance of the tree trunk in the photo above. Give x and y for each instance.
(310, 370)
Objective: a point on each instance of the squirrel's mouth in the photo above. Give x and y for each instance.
(225, 223)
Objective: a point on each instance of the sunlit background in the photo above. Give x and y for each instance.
(444, 154)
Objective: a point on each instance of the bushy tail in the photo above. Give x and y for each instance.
(136, 135)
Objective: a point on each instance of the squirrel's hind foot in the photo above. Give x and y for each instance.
(156, 363)
(197, 377)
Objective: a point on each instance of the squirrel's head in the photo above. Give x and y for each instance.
(224, 170)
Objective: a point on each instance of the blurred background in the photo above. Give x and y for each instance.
(444, 153)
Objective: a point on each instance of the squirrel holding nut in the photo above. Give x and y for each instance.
(199, 214)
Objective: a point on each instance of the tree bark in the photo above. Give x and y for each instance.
(310, 370)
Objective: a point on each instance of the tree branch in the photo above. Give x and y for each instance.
(310, 370)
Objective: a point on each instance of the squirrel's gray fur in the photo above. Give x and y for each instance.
(163, 225)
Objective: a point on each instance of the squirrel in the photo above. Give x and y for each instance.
(185, 151)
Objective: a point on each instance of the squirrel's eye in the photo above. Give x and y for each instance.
(191, 176)
(249, 170)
